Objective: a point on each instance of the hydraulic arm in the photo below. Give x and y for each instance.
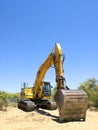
(55, 58)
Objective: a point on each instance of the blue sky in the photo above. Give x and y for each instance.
(29, 30)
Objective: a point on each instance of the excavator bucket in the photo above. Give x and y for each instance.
(72, 104)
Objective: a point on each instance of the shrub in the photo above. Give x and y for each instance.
(90, 86)
(3, 99)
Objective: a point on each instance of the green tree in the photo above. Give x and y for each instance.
(3, 99)
(90, 86)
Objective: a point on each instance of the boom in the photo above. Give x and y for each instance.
(55, 58)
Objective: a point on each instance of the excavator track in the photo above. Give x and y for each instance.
(49, 105)
(72, 105)
(26, 105)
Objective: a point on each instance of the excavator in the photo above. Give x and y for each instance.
(71, 104)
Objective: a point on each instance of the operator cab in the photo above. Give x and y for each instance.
(47, 89)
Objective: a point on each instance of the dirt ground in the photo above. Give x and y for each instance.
(15, 119)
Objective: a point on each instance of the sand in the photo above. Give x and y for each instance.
(15, 119)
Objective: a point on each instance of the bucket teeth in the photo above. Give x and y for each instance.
(72, 104)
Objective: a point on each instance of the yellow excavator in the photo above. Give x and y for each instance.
(71, 104)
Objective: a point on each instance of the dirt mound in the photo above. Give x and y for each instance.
(15, 119)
